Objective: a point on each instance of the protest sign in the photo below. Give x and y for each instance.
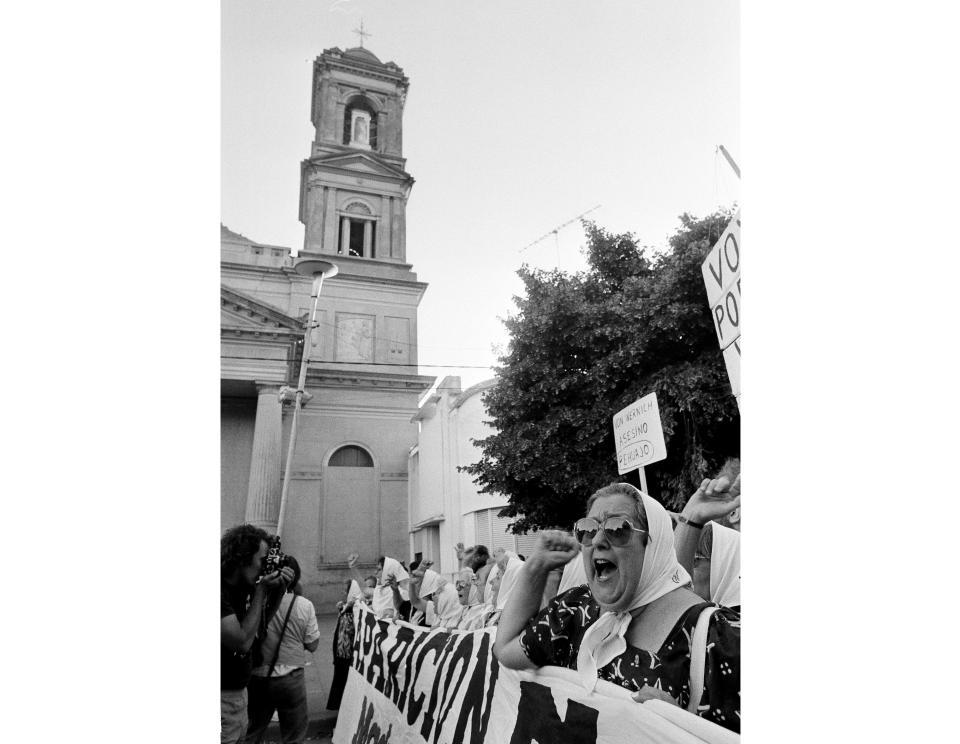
(638, 435)
(413, 685)
(721, 276)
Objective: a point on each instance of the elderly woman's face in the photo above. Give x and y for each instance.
(613, 572)
(501, 558)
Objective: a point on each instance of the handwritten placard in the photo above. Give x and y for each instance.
(638, 435)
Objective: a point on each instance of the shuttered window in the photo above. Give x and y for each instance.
(492, 532)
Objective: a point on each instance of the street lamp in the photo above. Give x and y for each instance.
(319, 270)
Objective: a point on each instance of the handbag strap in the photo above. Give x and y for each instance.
(276, 653)
(698, 657)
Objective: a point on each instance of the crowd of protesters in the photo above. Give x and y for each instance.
(634, 595)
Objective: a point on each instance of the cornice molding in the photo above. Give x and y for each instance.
(240, 303)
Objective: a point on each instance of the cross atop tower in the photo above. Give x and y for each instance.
(361, 33)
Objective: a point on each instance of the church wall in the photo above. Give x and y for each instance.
(237, 417)
(334, 511)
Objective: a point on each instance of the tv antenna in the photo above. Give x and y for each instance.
(554, 232)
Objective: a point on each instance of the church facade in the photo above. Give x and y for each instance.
(349, 479)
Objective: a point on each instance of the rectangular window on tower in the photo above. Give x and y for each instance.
(358, 238)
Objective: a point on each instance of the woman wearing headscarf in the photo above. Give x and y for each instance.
(509, 565)
(343, 643)
(716, 500)
(716, 566)
(475, 612)
(435, 597)
(633, 622)
(391, 592)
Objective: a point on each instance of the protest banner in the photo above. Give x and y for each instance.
(638, 435)
(721, 276)
(413, 685)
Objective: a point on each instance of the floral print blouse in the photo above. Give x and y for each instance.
(552, 638)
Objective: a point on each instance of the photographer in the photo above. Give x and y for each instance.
(247, 601)
(278, 685)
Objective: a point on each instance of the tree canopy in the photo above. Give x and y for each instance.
(585, 345)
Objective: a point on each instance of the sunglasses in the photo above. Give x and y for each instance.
(616, 529)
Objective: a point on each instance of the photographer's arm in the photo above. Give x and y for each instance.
(237, 635)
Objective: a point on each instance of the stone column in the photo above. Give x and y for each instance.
(330, 221)
(345, 236)
(263, 493)
(389, 229)
(367, 239)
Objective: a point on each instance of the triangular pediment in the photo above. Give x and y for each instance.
(240, 311)
(360, 162)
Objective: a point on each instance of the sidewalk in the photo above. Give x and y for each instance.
(318, 676)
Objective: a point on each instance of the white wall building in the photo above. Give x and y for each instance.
(445, 505)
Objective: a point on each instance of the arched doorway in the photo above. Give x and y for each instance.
(350, 517)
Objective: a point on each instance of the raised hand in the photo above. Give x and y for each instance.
(421, 570)
(554, 550)
(712, 500)
(352, 559)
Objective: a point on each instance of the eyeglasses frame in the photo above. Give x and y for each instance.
(605, 533)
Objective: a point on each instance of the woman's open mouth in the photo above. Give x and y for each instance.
(604, 569)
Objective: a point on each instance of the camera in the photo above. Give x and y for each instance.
(276, 559)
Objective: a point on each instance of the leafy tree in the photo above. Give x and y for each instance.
(585, 345)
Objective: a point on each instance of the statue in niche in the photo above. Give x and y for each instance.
(360, 131)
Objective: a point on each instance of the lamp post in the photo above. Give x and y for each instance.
(319, 270)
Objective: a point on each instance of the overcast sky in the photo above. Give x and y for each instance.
(520, 117)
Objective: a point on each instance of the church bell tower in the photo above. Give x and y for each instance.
(353, 187)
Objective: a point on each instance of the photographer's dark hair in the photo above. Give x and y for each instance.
(238, 546)
(481, 551)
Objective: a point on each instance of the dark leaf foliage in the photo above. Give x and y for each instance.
(585, 345)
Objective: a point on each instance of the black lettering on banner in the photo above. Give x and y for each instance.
(375, 667)
(474, 706)
(367, 731)
(363, 638)
(408, 674)
(538, 720)
(391, 687)
(435, 643)
(461, 654)
(438, 665)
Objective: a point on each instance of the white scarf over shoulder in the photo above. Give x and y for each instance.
(661, 573)
(509, 580)
(725, 566)
(353, 593)
(488, 585)
(574, 574)
(443, 606)
(383, 595)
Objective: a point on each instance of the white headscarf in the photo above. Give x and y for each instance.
(354, 593)
(661, 573)
(574, 574)
(509, 580)
(444, 609)
(492, 574)
(432, 581)
(383, 595)
(725, 566)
